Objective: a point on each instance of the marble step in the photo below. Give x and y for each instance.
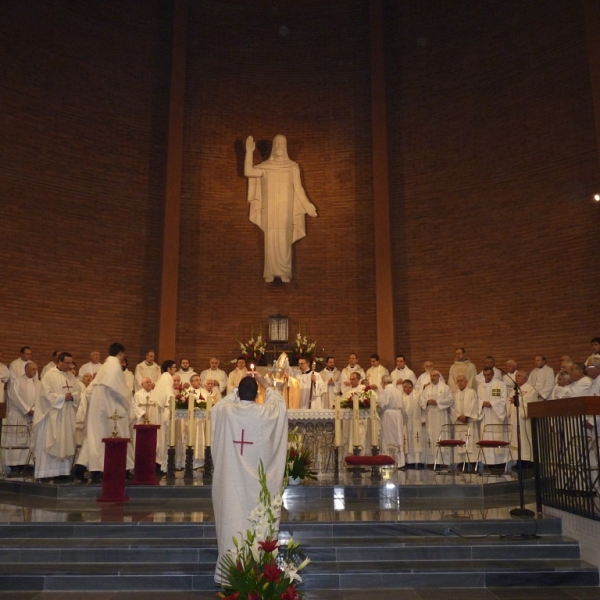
(301, 531)
(340, 575)
(106, 550)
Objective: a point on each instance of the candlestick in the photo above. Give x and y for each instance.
(374, 428)
(172, 421)
(191, 422)
(338, 421)
(209, 403)
(355, 420)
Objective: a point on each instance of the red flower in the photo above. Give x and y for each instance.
(293, 452)
(253, 595)
(238, 564)
(233, 596)
(367, 402)
(268, 545)
(271, 572)
(289, 594)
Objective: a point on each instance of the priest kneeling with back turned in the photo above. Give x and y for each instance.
(243, 434)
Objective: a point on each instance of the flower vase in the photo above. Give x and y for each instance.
(293, 480)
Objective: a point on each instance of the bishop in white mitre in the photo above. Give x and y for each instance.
(110, 408)
(331, 378)
(23, 397)
(54, 420)
(402, 372)
(312, 386)
(527, 395)
(159, 412)
(416, 420)
(390, 406)
(376, 372)
(466, 411)
(437, 400)
(492, 405)
(245, 433)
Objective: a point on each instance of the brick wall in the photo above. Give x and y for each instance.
(312, 85)
(82, 141)
(494, 162)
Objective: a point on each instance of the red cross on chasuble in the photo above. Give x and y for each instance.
(242, 442)
(67, 386)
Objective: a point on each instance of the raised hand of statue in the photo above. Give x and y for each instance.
(250, 145)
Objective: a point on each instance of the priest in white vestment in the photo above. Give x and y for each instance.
(595, 351)
(234, 378)
(424, 378)
(243, 434)
(462, 366)
(376, 372)
(593, 371)
(147, 368)
(93, 366)
(580, 382)
(108, 396)
(563, 379)
(185, 372)
(527, 395)
(356, 387)
(402, 372)
(24, 395)
(129, 378)
(492, 406)
(489, 361)
(312, 386)
(81, 417)
(390, 406)
(51, 364)
(4, 377)
(141, 401)
(509, 376)
(159, 412)
(331, 378)
(54, 421)
(416, 422)
(466, 411)
(353, 367)
(542, 378)
(437, 400)
(17, 366)
(216, 374)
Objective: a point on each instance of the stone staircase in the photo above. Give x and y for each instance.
(345, 555)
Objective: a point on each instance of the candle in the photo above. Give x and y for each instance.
(172, 424)
(191, 422)
(252, 367)
(338, 421)
(209, 403)
(374, 427)
(355, 420)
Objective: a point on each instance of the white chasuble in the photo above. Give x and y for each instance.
(54, 424)
(493, 392)
(390, 404)
(437, 414)
(528, 395)
(466, 403)
(107, 396)
(331, 379)
(416, 419)
(23, 397)
(159, 414)
(243, 434)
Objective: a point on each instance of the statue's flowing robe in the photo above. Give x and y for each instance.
(276, 207)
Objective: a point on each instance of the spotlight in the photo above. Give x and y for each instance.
(597, 197)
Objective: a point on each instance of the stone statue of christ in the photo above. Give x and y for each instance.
(278, 204)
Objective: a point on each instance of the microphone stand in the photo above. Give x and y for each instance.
(521, 511)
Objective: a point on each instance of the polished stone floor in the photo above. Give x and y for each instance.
(563, 593)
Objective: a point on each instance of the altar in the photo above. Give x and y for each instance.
(317, 428)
